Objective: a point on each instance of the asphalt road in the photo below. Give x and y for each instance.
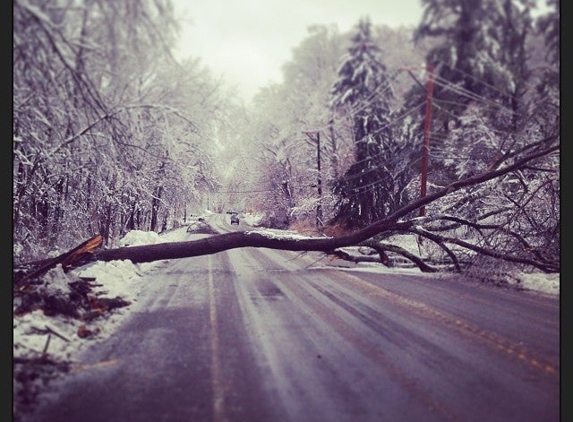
(262, 335)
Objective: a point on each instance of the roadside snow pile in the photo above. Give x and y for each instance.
(115, 277)
(54, 317)
(542, 282)
(58, 315)
(254, 219)
(59, 305)
(281, 234)
(139, 237)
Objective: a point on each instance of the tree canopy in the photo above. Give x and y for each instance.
(112, 134)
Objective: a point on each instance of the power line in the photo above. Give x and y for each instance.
(244, 192)
(463, 92)
(383, 152)
(390, 124)
(504, 93)
(370, 100)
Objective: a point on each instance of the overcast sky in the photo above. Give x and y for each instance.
(247, 41)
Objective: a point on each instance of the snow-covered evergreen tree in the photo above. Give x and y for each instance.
(481, 67)
(547, 26)
(482, 50)
(485, 111)
(363, 91)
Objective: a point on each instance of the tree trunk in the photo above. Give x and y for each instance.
(155, 204)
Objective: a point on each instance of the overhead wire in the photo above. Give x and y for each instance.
(504, 93)
(436, 136)
(373, 157)
(463, 92)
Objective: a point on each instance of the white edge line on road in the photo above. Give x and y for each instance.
(218, 393)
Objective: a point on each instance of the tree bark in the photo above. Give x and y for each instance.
(71, 259)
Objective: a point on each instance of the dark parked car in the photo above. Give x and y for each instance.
(234, 219)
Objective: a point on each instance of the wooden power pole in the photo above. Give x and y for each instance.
(427, 126)
(319, 180)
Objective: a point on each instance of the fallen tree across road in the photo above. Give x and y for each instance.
(331, 245)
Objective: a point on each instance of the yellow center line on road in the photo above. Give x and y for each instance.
(363, 343)
(495, 340)
(216, 374)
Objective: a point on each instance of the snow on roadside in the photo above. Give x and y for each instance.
(279, 234)
(34, 332)
(253, 219)
(121, 279)
(541, 282)
(113, 279)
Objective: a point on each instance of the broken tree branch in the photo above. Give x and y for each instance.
(544, 266)
(227, 241)
(260, 239)
(70, 259)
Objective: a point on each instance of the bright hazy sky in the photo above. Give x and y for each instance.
(247, 41)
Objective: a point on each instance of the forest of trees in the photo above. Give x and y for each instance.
(111, 133)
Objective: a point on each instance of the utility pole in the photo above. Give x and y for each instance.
(319, 180)
(427, 126)
(319, 183)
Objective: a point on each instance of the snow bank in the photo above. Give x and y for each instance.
(139, 237)
(281, 234)
(254, 219)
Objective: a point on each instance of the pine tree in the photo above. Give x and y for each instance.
(548, 26)
(481, 50)
(364, 192)
(481, 67)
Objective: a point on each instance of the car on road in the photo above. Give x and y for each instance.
(234, 219)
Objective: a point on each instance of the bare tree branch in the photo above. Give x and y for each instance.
(425, 268)
(544, 266)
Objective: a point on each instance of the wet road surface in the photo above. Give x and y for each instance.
(262, 335)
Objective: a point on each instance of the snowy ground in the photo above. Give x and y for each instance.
(36, 334)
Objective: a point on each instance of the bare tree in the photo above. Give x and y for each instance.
(103, 140)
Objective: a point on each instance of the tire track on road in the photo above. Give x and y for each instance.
(495, 341)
